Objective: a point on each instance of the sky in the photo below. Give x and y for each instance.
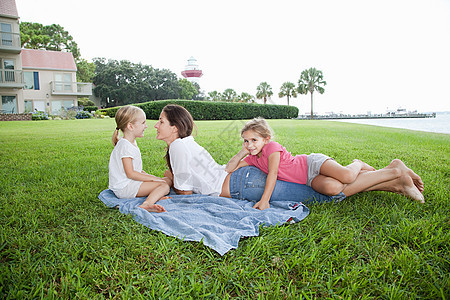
(375, 55)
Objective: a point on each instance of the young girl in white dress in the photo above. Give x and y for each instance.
(126, 177)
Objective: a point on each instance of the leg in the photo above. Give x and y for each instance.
(346, 174)
(155, 191)
(394, 178)
(327, 185)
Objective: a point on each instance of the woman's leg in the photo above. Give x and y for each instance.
(396, 178)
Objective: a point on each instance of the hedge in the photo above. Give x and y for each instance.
(206, 110)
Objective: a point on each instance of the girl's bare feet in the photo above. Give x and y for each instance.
(365, 166)
(153, 208)
(397, 163)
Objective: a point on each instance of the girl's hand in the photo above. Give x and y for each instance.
(262, 205)
(244, 151)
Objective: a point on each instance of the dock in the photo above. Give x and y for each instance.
(374, 116)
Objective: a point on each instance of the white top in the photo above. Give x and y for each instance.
(194, 169)
(117, 177)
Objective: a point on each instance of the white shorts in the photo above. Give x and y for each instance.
(314, 161)
(129, 191)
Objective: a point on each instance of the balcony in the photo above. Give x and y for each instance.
(10, 42)
(71, 88)
(11, 79)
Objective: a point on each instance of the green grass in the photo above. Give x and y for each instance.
(59, 240)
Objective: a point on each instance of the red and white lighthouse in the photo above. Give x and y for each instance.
(191, 71)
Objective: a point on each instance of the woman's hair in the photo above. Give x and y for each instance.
(181, 118)
(126, 114)
(260, 126)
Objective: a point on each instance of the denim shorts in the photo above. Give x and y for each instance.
(248, 183)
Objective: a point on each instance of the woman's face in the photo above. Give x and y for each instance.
(164, 131)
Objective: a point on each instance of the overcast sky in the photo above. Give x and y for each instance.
(374, 55)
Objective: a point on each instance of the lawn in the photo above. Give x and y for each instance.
(59, 241)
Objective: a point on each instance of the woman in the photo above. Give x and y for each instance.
(193, 170)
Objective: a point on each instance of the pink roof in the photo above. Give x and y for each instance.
(8, 8)
(44, 59)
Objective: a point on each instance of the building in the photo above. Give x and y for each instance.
(34, 79)
(191, 71)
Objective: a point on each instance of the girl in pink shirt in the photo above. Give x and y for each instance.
(319, 171)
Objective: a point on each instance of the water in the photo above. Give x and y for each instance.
(440, 124)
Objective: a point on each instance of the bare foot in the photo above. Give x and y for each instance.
(409, 189)
(152, 207)
(397, 163)
(365, 166)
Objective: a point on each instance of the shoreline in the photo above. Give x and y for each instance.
(377, 116)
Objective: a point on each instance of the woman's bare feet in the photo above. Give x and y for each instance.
(409, 189)
(397, 163)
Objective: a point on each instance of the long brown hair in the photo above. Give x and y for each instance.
(126, 114)
(181, 118)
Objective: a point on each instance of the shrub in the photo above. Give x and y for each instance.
(205, 110)
(90, 108)
(81, 114)
(85, 102)
(39, 115)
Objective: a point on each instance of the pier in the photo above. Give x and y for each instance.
(374, 116)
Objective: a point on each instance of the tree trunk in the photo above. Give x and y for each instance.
(288, 99)
(265, 100)
(311, 106)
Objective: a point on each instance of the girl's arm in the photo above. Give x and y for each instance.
(274, 162)
(237, 161)
(135, 175)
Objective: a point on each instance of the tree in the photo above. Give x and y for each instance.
(214, 96)
(123, 82)
(229, 95)
(54, 37)
(287, 89)
(188, 90)
(49, 37)
(311, 80)
(246, 97)
(263, 91)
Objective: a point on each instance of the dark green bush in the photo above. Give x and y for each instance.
(205, 110)
(90, 108)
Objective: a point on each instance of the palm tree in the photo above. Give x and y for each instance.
(229, 95)
(310, 81)
(263, 91)
(287, 89)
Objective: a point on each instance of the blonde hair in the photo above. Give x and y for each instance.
(260, 126)
(125, 114)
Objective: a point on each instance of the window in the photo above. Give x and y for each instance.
(28, 106)
(5, 33)
(63, 82)
(59, 105)
(7, 70)
(9, 104)
(31, 80)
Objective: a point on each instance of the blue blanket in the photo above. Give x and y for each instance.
(218, 222)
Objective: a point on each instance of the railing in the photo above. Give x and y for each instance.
(71, 88)
(11, 78)
(10, 42)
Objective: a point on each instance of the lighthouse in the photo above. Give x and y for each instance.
(191, 71)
